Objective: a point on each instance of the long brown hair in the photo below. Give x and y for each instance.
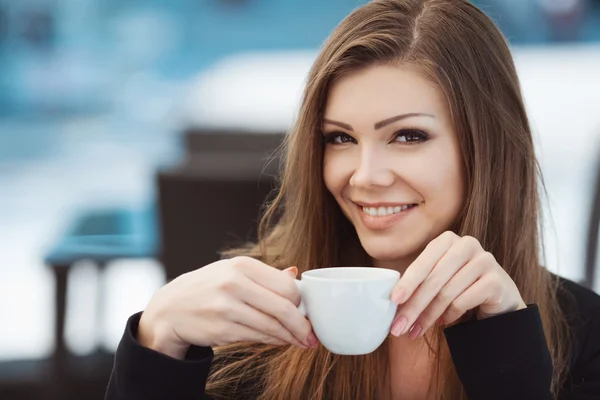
(459, 48)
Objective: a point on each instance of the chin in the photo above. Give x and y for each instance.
(390, 249)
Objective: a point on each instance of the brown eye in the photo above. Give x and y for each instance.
(411, 136)
(338, 138)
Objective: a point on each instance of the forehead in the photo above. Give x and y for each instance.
(380, 91)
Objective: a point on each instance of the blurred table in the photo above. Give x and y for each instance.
(100, 236)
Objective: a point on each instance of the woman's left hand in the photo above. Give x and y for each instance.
(450, 277)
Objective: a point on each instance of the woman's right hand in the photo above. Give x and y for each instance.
(235, 300)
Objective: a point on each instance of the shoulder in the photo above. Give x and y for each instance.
(581, 307)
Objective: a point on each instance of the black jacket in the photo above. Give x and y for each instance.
(504, 357)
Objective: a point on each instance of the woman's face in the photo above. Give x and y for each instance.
(392, 160)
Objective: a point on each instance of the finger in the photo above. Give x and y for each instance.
(264, 324)
(277, 307)
(292, 272)
(475, 295)
(456, 257)
(268, 277)
(420, 268)
(458, 284)
(242, 333)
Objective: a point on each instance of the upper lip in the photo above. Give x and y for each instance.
(383, 204)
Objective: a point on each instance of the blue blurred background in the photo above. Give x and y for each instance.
(97, 96)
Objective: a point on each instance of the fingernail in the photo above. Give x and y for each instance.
(440, 321)
(399, 326)
(398, 295)
(293, 271)
(415, 331)
(312, 340)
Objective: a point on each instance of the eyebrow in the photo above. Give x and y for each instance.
(379, 124)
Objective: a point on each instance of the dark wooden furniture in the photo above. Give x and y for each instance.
(212, 200)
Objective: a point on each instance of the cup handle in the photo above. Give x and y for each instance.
(301, 306)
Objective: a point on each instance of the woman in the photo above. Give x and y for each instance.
(412, 151)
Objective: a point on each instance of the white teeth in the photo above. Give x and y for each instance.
(384, 211)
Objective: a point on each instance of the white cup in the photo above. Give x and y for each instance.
(349, 307)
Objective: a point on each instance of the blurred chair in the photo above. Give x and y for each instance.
(100, 236)
(591, 257)
(213, 199)
(209, 201)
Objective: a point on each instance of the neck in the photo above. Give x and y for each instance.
(411, 368)
(398, 265)
(403, 343)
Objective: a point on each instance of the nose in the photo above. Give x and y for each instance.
(372, 170)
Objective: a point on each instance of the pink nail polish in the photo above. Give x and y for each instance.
(415, 331)
(399, 326)
(312, 340)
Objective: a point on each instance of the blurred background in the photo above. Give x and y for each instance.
(133, 140)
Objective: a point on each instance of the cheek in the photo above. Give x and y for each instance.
(446, 184)
(440, 181)
(336, 172)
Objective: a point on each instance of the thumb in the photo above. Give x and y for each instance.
(292, 272)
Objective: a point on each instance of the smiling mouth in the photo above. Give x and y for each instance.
(385, 211)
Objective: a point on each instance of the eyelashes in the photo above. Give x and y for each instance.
(403, 136)
(338, 138)
(411, 136)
